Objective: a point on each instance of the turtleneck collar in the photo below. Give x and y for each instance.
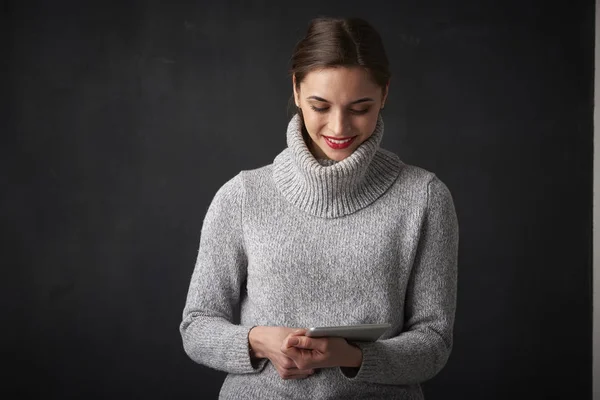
(331, 189)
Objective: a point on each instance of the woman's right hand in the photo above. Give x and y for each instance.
(266, 342)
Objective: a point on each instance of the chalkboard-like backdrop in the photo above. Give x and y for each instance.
(120, 120)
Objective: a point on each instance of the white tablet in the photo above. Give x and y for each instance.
(359, 333)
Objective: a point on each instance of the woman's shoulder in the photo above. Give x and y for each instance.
(238, 183)
(416, 178)
(408, 174)
(256, 177)
(261, 172)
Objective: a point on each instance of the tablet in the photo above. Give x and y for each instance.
(359, 333)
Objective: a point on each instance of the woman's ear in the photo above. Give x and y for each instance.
(296, 96)
(385, 93)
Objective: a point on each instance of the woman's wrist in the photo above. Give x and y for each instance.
(255, 342)
(355, 356)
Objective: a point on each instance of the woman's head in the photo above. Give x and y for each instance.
(340, 77)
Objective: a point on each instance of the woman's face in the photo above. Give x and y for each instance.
(340, 108)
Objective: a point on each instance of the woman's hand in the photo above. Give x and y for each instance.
(310, 353)
(265, 342)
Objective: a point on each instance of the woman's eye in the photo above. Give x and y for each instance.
(323, 109)
(317, 109)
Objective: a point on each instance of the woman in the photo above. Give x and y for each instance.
(336, 231)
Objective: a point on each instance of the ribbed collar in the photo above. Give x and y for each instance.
(330, 189)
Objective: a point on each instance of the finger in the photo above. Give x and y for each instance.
(295, 377)
(290, 373)
(295, 353)
(301, 376)
(291, 341)
(305, 342)
(292, 352)
(302, 358)
(297, 371)
(295, 374)
(286, 363)
(294, 333)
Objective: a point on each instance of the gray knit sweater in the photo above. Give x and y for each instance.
(301, 243)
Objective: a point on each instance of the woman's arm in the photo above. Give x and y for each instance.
(420, 352)
(208, 333)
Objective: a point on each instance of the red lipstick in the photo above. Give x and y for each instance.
(339, 144)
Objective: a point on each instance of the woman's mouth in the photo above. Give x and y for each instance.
(338, 144)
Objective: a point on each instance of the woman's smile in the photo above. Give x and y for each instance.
(339, 143)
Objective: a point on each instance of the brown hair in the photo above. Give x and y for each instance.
(340, 42)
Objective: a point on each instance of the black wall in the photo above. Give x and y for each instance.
(121, 120)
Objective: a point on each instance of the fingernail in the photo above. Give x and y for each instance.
(293, 341)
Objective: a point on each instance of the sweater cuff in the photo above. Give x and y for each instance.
(368, 370)
(243, 361)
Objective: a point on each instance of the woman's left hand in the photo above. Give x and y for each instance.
(309, 353)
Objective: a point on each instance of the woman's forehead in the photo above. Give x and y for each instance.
(339, 84)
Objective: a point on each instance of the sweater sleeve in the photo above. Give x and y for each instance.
(422, 349)
(209, 335)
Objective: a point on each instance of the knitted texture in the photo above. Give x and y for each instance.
(304, 242)
(340, 188)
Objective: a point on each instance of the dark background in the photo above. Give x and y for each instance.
(120, 120)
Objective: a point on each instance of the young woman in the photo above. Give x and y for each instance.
(336, 231)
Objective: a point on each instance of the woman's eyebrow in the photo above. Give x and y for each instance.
(362, 100)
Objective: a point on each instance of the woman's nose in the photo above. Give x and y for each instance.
(338, 123)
